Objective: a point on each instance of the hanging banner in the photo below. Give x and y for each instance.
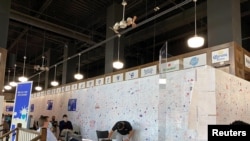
(21, 105)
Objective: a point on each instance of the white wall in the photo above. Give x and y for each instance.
(191, 100)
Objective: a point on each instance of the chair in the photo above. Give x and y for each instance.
(102, 135)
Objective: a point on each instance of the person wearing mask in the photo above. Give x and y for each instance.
(124, 131)
(44, 123)
(65, 124)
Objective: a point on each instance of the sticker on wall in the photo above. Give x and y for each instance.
(32, 107)
(148, 71)
(72, 105)
(67, 88)
(131, 75)
(107, 79)
(117, 77)
(62, 89)
(99, 81)
(81, 85)
(9, 108)
(171, 66)
(58, 90)
(220, 55)
(247, 61)
(195, 61)
(90, 83)
(48, 92)
(53, 91)
(49, 104)
(74, 87)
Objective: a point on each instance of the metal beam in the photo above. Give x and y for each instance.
(169, 24)
(14, 15)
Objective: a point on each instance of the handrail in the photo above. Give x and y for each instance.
(42, 135)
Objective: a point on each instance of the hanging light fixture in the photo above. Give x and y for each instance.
(195, 41)
(54, 82)
(118, 64)
(8, 87)
(13, 83)
(38, 87)
(78, 75)
(23, 78)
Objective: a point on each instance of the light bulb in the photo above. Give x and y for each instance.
(7, 87)
(13, 83)
(38, 88)
(54, 83)
(195, 41)
(117, 65)
(23, 79)
(78, 76)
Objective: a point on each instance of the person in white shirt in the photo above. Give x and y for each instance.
(44, 123)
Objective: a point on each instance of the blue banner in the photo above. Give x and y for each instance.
(21, 105)
(72, 105)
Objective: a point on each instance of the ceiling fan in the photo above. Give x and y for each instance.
(124, 23)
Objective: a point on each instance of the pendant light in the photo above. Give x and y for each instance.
(54, 82)
(38, 87)
(118, 64)
(13, 83)
(195, 41)
(23, 78)
(7, 86)
(78, 75)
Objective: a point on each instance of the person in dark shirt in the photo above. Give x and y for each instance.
(65, 124)
(124, 131)
(54, 125)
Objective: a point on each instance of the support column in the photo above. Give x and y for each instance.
(114, 14)
(223, 22)
(4, 26)
(69, 66)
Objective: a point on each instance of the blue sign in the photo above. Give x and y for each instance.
(49, 104)
(72, 105)
(21, 105)
(32, 107)
(9, 108)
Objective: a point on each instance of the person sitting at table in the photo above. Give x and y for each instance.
(65, 124)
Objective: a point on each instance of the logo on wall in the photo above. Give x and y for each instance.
(247, 61)
(220, 55)
(148, 71)
(194, 61)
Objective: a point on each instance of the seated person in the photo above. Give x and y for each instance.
(124, 131)
(65, 125)
(43, 123)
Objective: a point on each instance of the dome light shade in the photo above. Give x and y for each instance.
(13, 83)
(118, 64)
(195, 41)
(38, 88)
(7, 87)
(54, 83)
(23, 79)
(78, 76)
